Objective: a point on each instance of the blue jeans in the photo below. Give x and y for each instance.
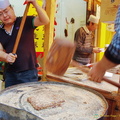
(13, 78)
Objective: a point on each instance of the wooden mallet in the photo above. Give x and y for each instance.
(60, 57)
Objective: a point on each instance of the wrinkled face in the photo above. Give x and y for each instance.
(7, 16)
(93, 27)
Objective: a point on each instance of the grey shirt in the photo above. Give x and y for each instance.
(84, 45)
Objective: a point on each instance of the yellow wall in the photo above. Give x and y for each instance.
(104, 37)
(39, 31)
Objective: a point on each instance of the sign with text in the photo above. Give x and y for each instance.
(109, 9)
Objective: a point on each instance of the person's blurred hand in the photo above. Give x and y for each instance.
(96, 73)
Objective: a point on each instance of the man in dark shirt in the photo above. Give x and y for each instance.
(23, 67)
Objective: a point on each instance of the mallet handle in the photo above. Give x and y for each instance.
(20, 29)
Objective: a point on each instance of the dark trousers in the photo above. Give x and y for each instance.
(13, 78)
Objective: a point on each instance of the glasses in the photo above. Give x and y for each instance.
(6, 11)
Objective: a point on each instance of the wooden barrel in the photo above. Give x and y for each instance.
(52, 101)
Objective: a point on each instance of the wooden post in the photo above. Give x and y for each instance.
(49, 29)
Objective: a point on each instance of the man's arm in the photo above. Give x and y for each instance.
(97, 72)
(42, 17)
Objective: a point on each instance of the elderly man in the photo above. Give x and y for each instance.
(84, 41)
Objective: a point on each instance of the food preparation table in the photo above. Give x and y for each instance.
(109, 91)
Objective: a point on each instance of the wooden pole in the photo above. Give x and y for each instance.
(49, 30)
(20, 29)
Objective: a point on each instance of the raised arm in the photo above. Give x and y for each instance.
(42, 17)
